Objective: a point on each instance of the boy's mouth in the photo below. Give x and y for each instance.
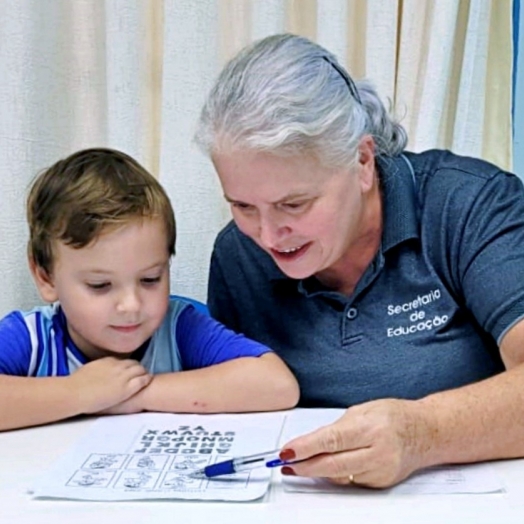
(128, 328)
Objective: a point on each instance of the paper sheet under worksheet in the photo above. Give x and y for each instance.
(149, 456)
(473, 478)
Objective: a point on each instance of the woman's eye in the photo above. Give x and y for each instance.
(293, 206)
(242, 206)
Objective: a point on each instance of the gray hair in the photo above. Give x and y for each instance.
(287, 95)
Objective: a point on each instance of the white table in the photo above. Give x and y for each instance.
(24, 454)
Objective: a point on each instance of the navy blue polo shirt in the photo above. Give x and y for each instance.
(428, 313)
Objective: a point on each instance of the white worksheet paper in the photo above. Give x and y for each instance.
(149, 456)
(472, 478)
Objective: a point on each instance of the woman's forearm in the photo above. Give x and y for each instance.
(478, 422)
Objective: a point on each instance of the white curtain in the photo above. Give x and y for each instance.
(133, 74)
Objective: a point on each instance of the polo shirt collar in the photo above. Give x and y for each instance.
(399, 198)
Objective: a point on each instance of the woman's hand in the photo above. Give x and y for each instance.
(376, 444)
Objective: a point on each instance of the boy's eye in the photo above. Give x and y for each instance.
(149, 281)
(98, 286)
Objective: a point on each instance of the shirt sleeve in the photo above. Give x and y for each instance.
(202, 341)
(15, 346)
(490, 257)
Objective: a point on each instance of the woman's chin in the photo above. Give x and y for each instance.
(295, 271)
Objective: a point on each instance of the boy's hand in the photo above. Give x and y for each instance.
(133, 404)
(108, 381)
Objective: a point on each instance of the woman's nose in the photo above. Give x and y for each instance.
(271, 232)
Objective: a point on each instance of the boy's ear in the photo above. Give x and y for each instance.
(43, 281)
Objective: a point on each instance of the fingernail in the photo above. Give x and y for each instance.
(287, 455)
(286, 470)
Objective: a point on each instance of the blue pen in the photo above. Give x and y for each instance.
(268, 459)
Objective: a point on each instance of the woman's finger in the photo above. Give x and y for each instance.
(336, 437)
(334, 465)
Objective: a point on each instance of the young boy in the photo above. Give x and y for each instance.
(102, 232)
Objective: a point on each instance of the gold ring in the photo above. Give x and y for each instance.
(351, 479)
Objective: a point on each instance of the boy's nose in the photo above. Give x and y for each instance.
(129, 301)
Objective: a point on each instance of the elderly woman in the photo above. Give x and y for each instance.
(391, 283)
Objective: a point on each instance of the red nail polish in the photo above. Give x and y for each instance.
(287, 454)
(286, 470)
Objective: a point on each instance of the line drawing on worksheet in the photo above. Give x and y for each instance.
(148, 456)
(151, 472)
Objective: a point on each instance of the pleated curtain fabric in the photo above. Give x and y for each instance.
(133, 74)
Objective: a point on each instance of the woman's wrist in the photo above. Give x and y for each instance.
(427, 434)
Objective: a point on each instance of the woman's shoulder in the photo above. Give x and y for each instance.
(228, 234)
(442, 163)
(446, 179)
(233, 249)
(231, 240)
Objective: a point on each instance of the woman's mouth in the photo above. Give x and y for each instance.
(291, 253)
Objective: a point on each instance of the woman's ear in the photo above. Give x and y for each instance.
(44, 282)
(366, 163)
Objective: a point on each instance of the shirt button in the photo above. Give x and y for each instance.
(352, 313)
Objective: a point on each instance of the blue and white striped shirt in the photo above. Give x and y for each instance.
(36, 343)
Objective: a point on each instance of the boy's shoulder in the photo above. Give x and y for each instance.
(41, 314)
(177, 301)
(12, 322)
(36, 326)
(24, 337)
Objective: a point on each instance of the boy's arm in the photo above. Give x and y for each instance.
(31, 401)
(27, 400)
(244, 384)
(226, 372)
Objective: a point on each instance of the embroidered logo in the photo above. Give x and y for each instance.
(417, 317)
